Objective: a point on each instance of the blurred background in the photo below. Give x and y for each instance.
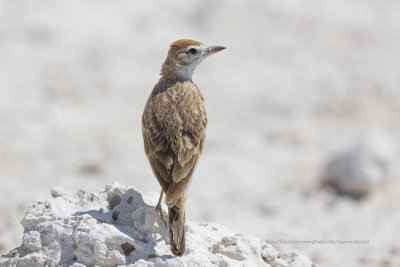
(303, 107)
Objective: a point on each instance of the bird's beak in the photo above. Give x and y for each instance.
(212, 50)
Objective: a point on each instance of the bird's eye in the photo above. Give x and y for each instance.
(192, 51)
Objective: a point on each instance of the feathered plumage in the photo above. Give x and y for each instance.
(174, 128)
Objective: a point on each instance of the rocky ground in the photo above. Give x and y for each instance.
(290, 103)
(120, 227)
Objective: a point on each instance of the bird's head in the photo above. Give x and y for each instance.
(184, 56)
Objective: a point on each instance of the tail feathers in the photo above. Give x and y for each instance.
(177, 229)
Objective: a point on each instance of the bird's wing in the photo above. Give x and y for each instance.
(158, 152)
(173, 169)
(188, 153)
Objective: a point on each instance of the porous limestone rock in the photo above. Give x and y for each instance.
(119, 227)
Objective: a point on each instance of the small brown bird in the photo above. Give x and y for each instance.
(174, 128)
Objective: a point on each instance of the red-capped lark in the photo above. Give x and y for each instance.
(174, 128)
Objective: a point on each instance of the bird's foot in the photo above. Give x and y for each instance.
(159, 210)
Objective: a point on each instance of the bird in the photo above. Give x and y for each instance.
(174, 125)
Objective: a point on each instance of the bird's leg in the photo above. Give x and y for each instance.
(159, 209)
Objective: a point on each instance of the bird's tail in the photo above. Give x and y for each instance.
(176, 224)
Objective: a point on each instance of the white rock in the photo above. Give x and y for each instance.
(118, 228)
(32, 241)
(268, 253)
(360, 169)
(57, 191)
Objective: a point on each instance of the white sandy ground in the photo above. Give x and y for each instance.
(299, 81)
